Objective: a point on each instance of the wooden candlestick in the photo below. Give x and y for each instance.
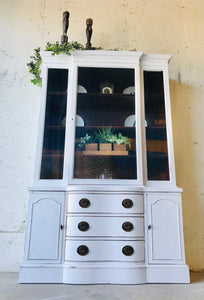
(89, 23)
(65, 25)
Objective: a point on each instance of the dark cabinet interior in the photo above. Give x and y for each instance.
(156, 137)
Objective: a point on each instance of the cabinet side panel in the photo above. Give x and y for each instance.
(44, 230)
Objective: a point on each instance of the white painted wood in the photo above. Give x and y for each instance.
(105, 203)
(164, 237)
(105, 226)
(105, 275)
(104, 251)
(155, 62)
(51, 254)
(44, 236)
(167, 274)
(41, 274)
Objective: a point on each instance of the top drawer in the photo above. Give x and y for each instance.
(105, 203)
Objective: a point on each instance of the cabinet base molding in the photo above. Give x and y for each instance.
(120, 275)
(105, 275)
(168, 274)
(41, 274)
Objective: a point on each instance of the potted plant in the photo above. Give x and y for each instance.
(87, 143)
(105, 139)
(120, 142)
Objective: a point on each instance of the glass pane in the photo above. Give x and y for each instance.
(156, 139)
(54, 127)
(105, 144)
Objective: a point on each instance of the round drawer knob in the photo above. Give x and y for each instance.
(127, 226)
(83, 226)
(84, 202)
(127, 203)
(82, 250)
(128, 250)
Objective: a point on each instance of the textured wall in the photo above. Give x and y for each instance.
(157, 26)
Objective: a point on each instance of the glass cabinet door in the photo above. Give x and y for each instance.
(54, 127)
(156, 138)
(105, 134)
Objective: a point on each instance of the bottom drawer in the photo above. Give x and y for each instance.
(104, 251)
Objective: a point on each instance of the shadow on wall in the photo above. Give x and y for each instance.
(188, 172)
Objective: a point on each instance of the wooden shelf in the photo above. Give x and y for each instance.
(54, 127)
(102, 153)
(105, 95)
(53, 155)
(58, 93)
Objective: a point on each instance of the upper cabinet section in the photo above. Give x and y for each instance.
(105, 118)
(105, 137)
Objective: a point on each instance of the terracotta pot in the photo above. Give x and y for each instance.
(121, 147)
(91, 147)
(105, 147)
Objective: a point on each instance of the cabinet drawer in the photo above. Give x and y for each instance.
(104, 251)
(106, 203)
(105, 226)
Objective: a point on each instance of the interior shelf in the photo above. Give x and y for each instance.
(58, 93)
(102, 153)
(113, 95)
(156, 155)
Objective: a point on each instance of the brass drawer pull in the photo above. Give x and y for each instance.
(127, 203)
(127, 226)
(84, 202)
(82, 250)
(128, 250)
(83, 226)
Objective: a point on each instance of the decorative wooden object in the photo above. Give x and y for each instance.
(89, 23)
(65, 26)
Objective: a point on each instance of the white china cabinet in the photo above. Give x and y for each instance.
(104, 206)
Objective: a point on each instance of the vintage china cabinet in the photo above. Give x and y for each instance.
(100, 215)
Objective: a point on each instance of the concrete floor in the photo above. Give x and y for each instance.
(11, 290)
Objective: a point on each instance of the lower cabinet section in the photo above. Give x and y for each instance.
(139, 240)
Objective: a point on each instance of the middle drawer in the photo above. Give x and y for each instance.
(105, 226)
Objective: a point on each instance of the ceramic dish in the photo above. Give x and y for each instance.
(79, 121)
(129, 90)
(81, 89)
(130, 121)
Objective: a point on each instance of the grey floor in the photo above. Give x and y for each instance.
(11, 290)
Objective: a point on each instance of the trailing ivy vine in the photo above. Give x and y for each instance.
(34, 67)
(56, 49)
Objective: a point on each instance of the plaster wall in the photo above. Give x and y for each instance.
(167, 27)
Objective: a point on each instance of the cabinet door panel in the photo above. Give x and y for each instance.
(45, 233)
(164, 230)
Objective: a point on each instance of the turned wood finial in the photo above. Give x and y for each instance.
(65, 26)
(89, 23)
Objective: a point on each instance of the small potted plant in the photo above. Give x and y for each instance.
(87, 143)
(105, 139)
(120, 142)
